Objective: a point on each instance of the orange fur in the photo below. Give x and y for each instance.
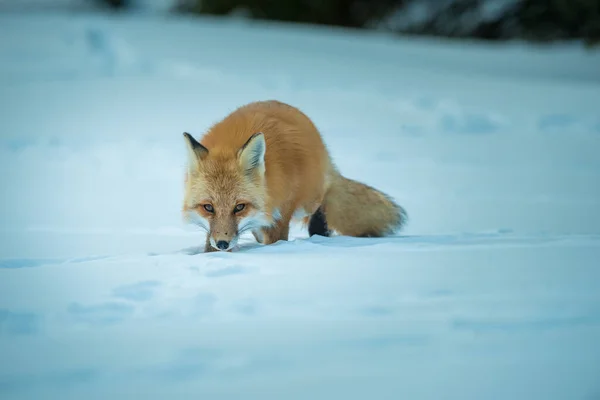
(270, 157)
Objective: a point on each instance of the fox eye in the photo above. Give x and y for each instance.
(209, 208)
(239, 208)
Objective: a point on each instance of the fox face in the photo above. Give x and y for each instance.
(225, 190)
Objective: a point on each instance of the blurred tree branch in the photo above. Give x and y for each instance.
(533, 20)
(115, 4)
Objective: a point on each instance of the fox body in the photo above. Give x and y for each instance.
(266, 164)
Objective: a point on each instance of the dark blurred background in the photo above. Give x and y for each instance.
(531, 20)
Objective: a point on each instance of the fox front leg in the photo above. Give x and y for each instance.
(258, 235)
(278, 232)
(207, 247)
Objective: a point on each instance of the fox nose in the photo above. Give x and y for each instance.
(223, 245)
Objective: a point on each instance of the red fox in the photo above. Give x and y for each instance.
(266, 163)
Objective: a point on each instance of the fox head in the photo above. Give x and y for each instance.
(225, 189)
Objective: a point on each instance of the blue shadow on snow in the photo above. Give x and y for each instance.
(471, 124)
(19, 323)
(100, 314)
(531, 325)
(141, 291)
(60, 379)
(556, 121)
(230, 270)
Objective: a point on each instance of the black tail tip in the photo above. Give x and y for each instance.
(318, 224)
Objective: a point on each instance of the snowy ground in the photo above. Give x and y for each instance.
(492, 291)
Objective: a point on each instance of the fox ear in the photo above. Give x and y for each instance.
(195, 150)
(252, 154)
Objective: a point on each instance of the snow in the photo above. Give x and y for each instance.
(491, 291)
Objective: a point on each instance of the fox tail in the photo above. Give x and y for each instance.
(352, 208)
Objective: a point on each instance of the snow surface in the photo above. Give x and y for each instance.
(491, 292)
